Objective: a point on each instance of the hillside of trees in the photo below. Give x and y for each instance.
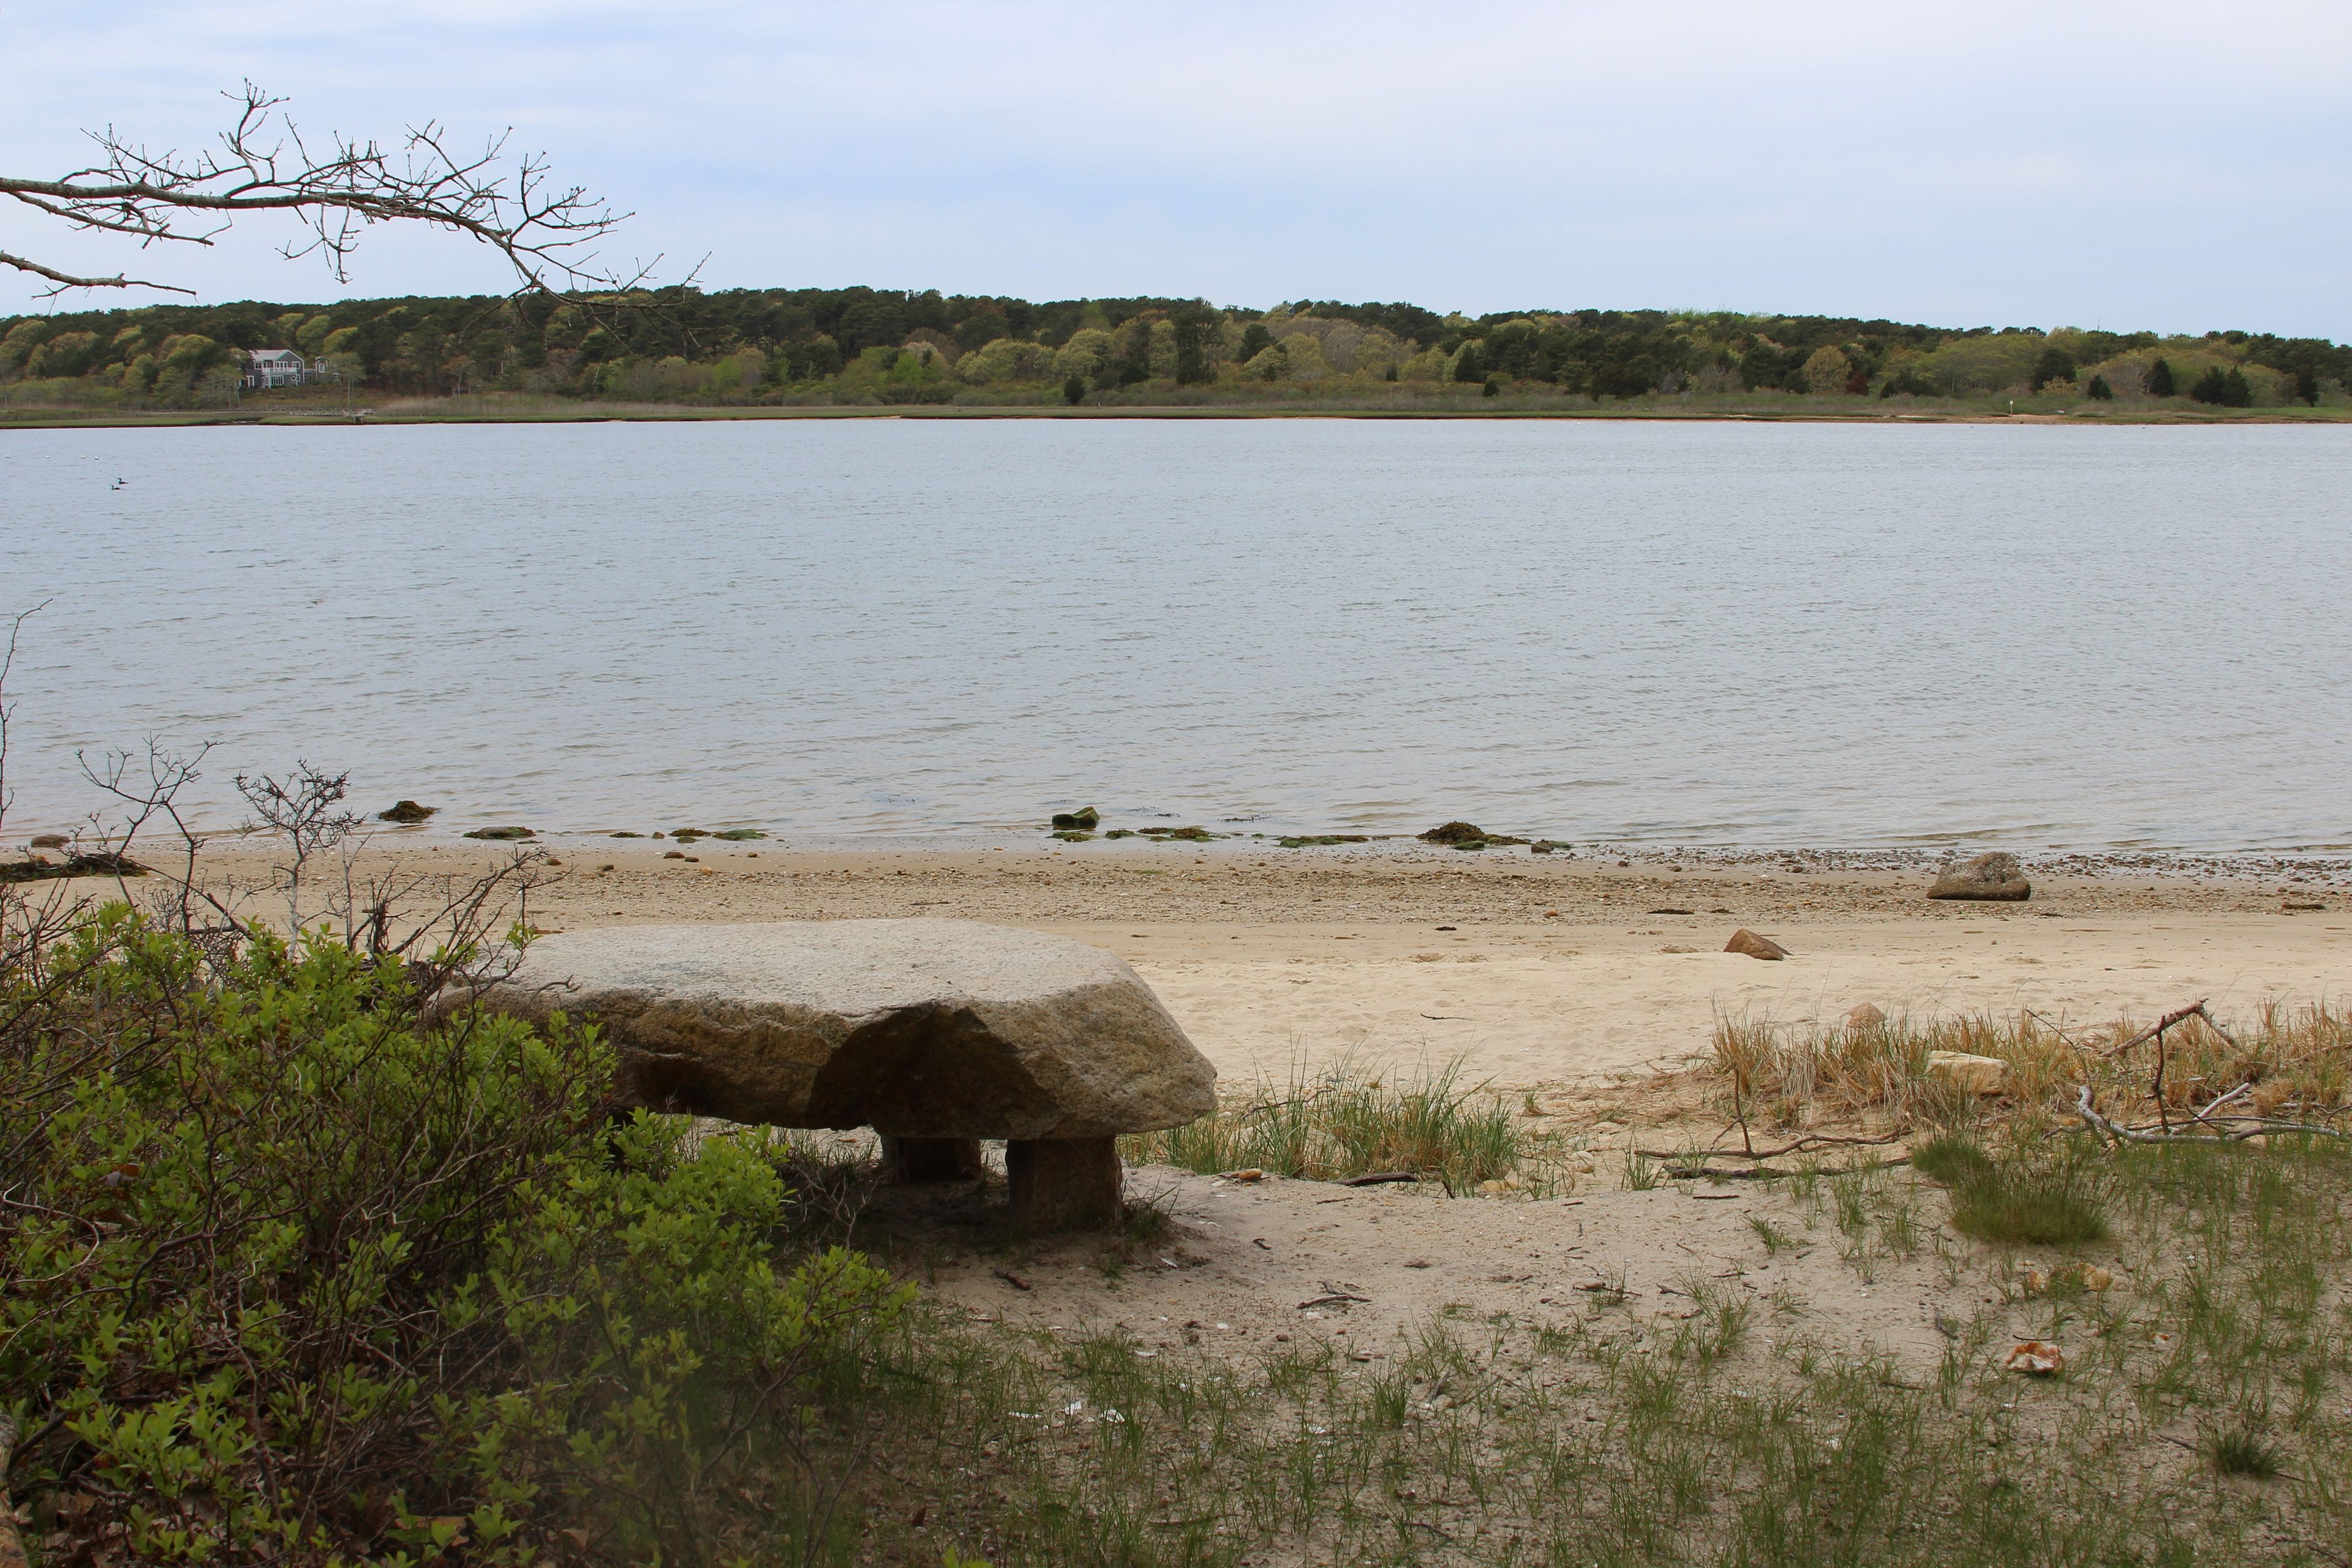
(873, 346)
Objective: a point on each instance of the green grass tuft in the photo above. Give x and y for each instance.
(2042, 1202)
(1347, 1121)
(1951, 1159)
(2241, 1450)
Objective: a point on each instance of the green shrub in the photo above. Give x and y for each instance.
(287, 1273)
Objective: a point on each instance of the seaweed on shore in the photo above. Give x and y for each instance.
(95, 863)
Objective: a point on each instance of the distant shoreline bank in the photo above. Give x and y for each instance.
(469, 411)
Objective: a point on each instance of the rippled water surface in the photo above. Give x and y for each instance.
(1697, 633)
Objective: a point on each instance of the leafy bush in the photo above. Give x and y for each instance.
(290, 1273)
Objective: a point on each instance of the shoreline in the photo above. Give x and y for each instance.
(592, 413)
(2323, 864)
(2326, 863)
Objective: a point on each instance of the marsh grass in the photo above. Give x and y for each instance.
(1614, 1434)
(1350, 1121)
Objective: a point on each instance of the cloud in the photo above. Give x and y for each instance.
(2155, 163)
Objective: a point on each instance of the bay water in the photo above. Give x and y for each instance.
(1686, 633)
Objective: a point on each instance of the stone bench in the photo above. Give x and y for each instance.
(935, 1033)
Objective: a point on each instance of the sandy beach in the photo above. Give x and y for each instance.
(1532, 970)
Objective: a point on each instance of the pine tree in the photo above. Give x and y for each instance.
(2099, 389)
(1074, 390)
(2212, 387)
(2159, 379)
(1191, 354)
(2055, 365)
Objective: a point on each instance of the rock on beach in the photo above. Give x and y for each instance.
(1992, 878)
(1968, 1073)
(1744, 940)
(917, 1029)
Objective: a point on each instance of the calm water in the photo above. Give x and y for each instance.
(1696, 633)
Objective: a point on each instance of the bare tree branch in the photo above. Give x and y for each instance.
(64, 281)
(9, 708)
(546, 231)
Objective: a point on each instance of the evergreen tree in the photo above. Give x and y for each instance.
(2212, 387)
(2236, 393)
(2100, 391)
(2159, 379)
(1191, 351)
(1074, 390)
(1470, 365)
(1255, 340)
(2055, 365)
(2306, 388)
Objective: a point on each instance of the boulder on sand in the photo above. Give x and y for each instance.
(1994, 877)
(1754, 946)
(1969, 1073)
(929, 1031)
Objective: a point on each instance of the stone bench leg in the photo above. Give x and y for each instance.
(1065, 1183)
(931, 1159)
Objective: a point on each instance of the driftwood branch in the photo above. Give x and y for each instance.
(2254, 1126)
(2179, 1016)
(1810, 1141)
(1770, 1174)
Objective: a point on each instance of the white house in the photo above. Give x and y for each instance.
(283, 367)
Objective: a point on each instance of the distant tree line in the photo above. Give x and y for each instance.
(872, 345)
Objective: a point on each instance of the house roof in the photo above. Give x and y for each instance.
(258, 355)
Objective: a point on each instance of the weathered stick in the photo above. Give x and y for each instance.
(2262, 1124)
(1809, 1140)
(2194, 1010)
(1768, 1173)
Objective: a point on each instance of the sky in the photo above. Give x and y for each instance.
(2151, 164)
